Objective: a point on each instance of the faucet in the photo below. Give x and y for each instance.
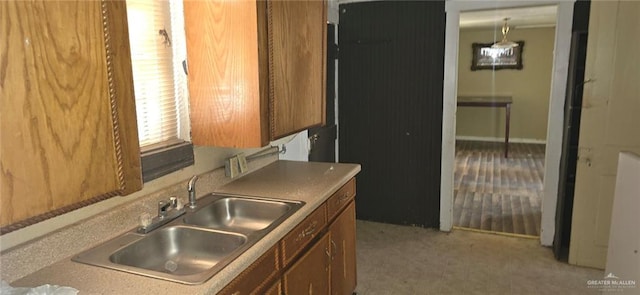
(167, 211)
(191, 188)
(164, 206)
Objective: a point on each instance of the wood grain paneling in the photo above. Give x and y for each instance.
(297, 51)
(69, 135)
(224, 74)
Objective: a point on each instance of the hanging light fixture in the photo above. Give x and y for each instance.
(504, 43)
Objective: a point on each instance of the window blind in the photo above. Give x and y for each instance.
(157, 38)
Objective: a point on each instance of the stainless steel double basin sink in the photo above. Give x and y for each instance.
(195, 246)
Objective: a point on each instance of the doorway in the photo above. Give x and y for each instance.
(501, 119)
(557, 97)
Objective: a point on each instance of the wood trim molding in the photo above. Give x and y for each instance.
(42, 217)
(121, 91)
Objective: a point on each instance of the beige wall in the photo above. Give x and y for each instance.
(529, 87)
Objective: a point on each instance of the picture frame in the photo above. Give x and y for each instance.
(486, 58)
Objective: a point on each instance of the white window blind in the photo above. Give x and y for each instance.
(156, 34)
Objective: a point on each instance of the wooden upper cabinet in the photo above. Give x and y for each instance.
(297, 65)
(256, 69)
(68, 123)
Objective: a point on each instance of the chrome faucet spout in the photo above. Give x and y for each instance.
(191, 188)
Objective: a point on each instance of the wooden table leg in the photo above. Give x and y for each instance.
(506, 131)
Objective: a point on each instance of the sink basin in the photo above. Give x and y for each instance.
(179, 250)
(193, 248)
(241, 214)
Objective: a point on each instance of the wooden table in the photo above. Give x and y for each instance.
(492, 102)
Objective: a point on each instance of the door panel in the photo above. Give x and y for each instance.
(569, 157)
(609, 121)
(390, 107)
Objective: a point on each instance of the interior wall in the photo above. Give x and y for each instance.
(529, 87)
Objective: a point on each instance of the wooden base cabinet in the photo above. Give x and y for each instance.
(310, 274)
(343, 252)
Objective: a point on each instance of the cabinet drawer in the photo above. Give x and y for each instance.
(302, 234)
(341, 198)
(256, 276)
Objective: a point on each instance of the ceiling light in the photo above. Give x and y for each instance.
(504, 43)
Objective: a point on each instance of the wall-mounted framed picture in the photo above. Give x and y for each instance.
(486, 58)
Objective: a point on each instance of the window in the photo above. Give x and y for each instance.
(158, 50)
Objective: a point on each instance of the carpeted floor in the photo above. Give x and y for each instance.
(394, 259)
(498, 194)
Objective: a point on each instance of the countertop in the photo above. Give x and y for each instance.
(311, 182)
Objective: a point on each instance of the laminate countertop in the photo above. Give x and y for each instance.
(310, 182)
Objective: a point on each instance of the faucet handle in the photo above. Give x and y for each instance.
(174, 202)
(163, 206)
(145, 219)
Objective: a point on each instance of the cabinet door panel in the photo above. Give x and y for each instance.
(343, 247)
(297, 65)
(310, 274)
(69, 135)
(227, 96)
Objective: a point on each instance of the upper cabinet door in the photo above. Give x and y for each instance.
(256, 69)
(227, 95)
(297, 65)
(68, 124)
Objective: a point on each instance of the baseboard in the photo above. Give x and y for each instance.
(500, 139)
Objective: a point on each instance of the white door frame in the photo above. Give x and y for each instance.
(556, 106)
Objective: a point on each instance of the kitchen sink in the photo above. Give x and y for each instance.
(239, 214)
(195, 246)
(179, 250)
